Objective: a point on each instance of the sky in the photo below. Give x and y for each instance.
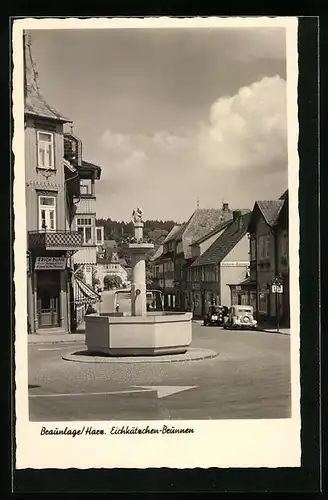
(172, 116)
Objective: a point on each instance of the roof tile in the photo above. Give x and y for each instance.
(225, 243)
(270, 210)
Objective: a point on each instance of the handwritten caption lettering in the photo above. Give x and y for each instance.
(117, 430)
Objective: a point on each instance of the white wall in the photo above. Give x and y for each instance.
(233, 268)
(118, 270)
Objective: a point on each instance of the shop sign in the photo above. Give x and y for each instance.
(50, 263)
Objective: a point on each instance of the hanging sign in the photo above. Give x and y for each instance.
(50, 263)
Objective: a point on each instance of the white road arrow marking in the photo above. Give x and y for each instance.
(166, 390)
(162, 391)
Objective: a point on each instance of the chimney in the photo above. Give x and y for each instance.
(236, 214)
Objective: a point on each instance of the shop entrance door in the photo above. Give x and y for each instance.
(48, 299)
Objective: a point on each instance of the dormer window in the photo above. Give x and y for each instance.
(45, 149)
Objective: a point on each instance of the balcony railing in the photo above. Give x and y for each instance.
(54, 240)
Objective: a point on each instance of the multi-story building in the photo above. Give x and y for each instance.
(269, 260)
(224, 262)
(85, 259)
(163, 266)
(202, 222)
(51, 185)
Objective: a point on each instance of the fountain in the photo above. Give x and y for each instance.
(139, 333)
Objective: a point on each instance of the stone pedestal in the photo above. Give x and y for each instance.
(138, 283)
(138, 231)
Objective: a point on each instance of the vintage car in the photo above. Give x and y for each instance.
(215, 316)
(240, 317)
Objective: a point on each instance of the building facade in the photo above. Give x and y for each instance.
(110, 267)
(269, 261)
(163, 268)
(84, 223)
(225, 261)
(51, 185)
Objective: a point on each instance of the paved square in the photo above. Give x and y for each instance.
(249, 379)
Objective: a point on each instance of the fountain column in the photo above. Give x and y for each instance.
(138, 251)
(138, 285)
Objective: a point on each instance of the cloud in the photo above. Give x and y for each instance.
(248, 129)
(244, 139)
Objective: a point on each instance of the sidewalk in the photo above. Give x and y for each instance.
(53, 338)
(282, 331)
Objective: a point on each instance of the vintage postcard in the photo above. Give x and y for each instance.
(156, 243)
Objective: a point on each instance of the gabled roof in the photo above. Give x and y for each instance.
(157, 254)
(35, 104)
(173, 233)
(219, 227)
(202, 221)
(270, 210)
(225, 243)
(86, 165)
(284, 196)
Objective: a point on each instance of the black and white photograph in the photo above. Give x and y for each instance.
(156, 242)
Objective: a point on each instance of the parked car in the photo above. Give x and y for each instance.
(215, 316)
(240, 317)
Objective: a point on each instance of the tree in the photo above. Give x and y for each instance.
(112, 281)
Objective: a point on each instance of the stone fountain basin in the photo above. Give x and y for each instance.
(124, 335)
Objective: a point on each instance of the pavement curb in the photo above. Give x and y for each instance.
(192, 354)
(49, 342)
(273, 331)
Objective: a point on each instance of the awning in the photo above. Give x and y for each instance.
(246, 283)
(83, 293)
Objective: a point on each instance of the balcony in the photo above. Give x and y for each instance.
(54, 240)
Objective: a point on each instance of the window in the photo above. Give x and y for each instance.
(253, 249)
(47, 213)
(99, 235)
(261, 247)
(84, 227)
(267, 247)
(284, 244)
(45, 150)
(86, 187)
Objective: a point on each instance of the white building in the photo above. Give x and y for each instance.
(111, 266)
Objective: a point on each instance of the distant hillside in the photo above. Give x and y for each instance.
(154, 230)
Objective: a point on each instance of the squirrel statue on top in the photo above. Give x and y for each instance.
(137, 216)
